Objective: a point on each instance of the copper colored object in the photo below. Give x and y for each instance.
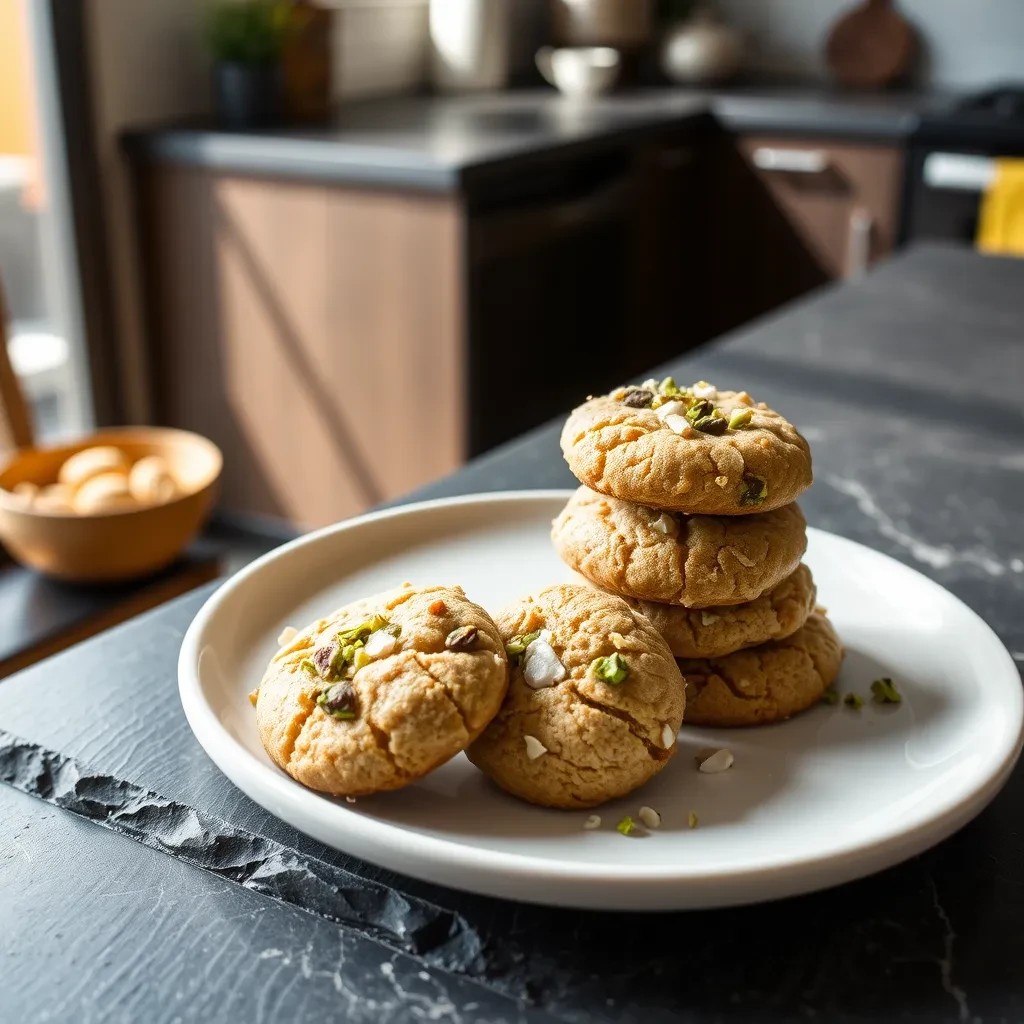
(871, 46)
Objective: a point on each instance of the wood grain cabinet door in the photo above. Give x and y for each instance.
(841, 200)
(314, 332)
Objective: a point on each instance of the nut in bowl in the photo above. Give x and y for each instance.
(114, 506)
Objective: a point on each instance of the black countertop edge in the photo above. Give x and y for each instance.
(401, 141)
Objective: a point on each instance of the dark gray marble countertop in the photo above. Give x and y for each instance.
(445, 143)
(136, 883)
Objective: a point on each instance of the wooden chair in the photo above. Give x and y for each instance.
(15, 422)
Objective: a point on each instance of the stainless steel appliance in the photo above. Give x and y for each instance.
(951, 163)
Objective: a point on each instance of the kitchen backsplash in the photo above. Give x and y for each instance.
(967, 43)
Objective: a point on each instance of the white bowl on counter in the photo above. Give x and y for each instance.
(581, 72)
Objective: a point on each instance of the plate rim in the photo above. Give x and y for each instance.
(265, 783)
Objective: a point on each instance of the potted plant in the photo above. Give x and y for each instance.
(246, 38)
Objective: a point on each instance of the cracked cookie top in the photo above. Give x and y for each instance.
(382, 691)
(767, 683)
(695, 561)
(696, 450)
(712, 632)
(595, 700)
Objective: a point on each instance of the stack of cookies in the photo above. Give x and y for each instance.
(687, 510)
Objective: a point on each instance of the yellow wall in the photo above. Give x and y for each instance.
(16, 136)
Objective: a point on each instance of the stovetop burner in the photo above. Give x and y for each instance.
(1004, 102)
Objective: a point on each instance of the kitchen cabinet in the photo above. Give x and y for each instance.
(313, 333)
(344, 344)
(789, 214)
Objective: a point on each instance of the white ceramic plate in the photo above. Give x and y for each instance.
(829, 796)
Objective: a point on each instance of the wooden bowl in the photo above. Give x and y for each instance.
(109, 546)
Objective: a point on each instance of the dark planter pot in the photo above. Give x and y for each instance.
(247, 95)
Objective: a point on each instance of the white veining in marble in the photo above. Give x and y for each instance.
(938, 557)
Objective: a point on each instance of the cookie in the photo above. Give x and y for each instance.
(764, 684)
(352, 720)
(594, 700)
(712, 632)
(694, 561)
(652, 445)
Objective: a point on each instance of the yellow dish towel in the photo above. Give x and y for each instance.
(1001, 223)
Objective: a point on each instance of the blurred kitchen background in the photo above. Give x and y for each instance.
(357, 242)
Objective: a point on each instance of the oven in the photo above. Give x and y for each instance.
(952, 162)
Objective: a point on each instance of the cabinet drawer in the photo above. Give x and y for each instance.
(840, 200)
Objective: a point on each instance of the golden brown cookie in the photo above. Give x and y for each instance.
(382, 691)
(594, 701)
(713, 632)
(764, 684)
(652, 445)
(695, 561)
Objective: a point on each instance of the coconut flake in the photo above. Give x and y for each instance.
(287, 635)
(677, 424)
(541, 666)
(665, 524)
(649, 816)
(534, 747)
(719, 761)
(702, 389)
(668, 736)
(593, 821)
(380, 644)
(650, 385)
(673, 408)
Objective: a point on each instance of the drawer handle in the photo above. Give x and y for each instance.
(790, 161)
(858, 242)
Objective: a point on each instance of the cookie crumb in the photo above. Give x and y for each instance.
(286, 636)
(593, 821)
(707, 618)
(254, 696)
(437, 608)
(668, 736)
(649, 816)
(350, 799)
(534, 747)
(722, 481)
(720, 761)
(691, 819)
(747, 563)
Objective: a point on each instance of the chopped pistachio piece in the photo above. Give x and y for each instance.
(691, 819)
(668, 386)
(612, 669)
(714, 424)
(340, 701)
(515, 647)
(853, 700)
(700, 410)
(740, 418)
(755, 490)
(361, 659)
(394, 629)
(883, 691)
(463, 638)
(309, 668)
(362, 631)
(627, 826)
(830, 696)
(638, 398)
